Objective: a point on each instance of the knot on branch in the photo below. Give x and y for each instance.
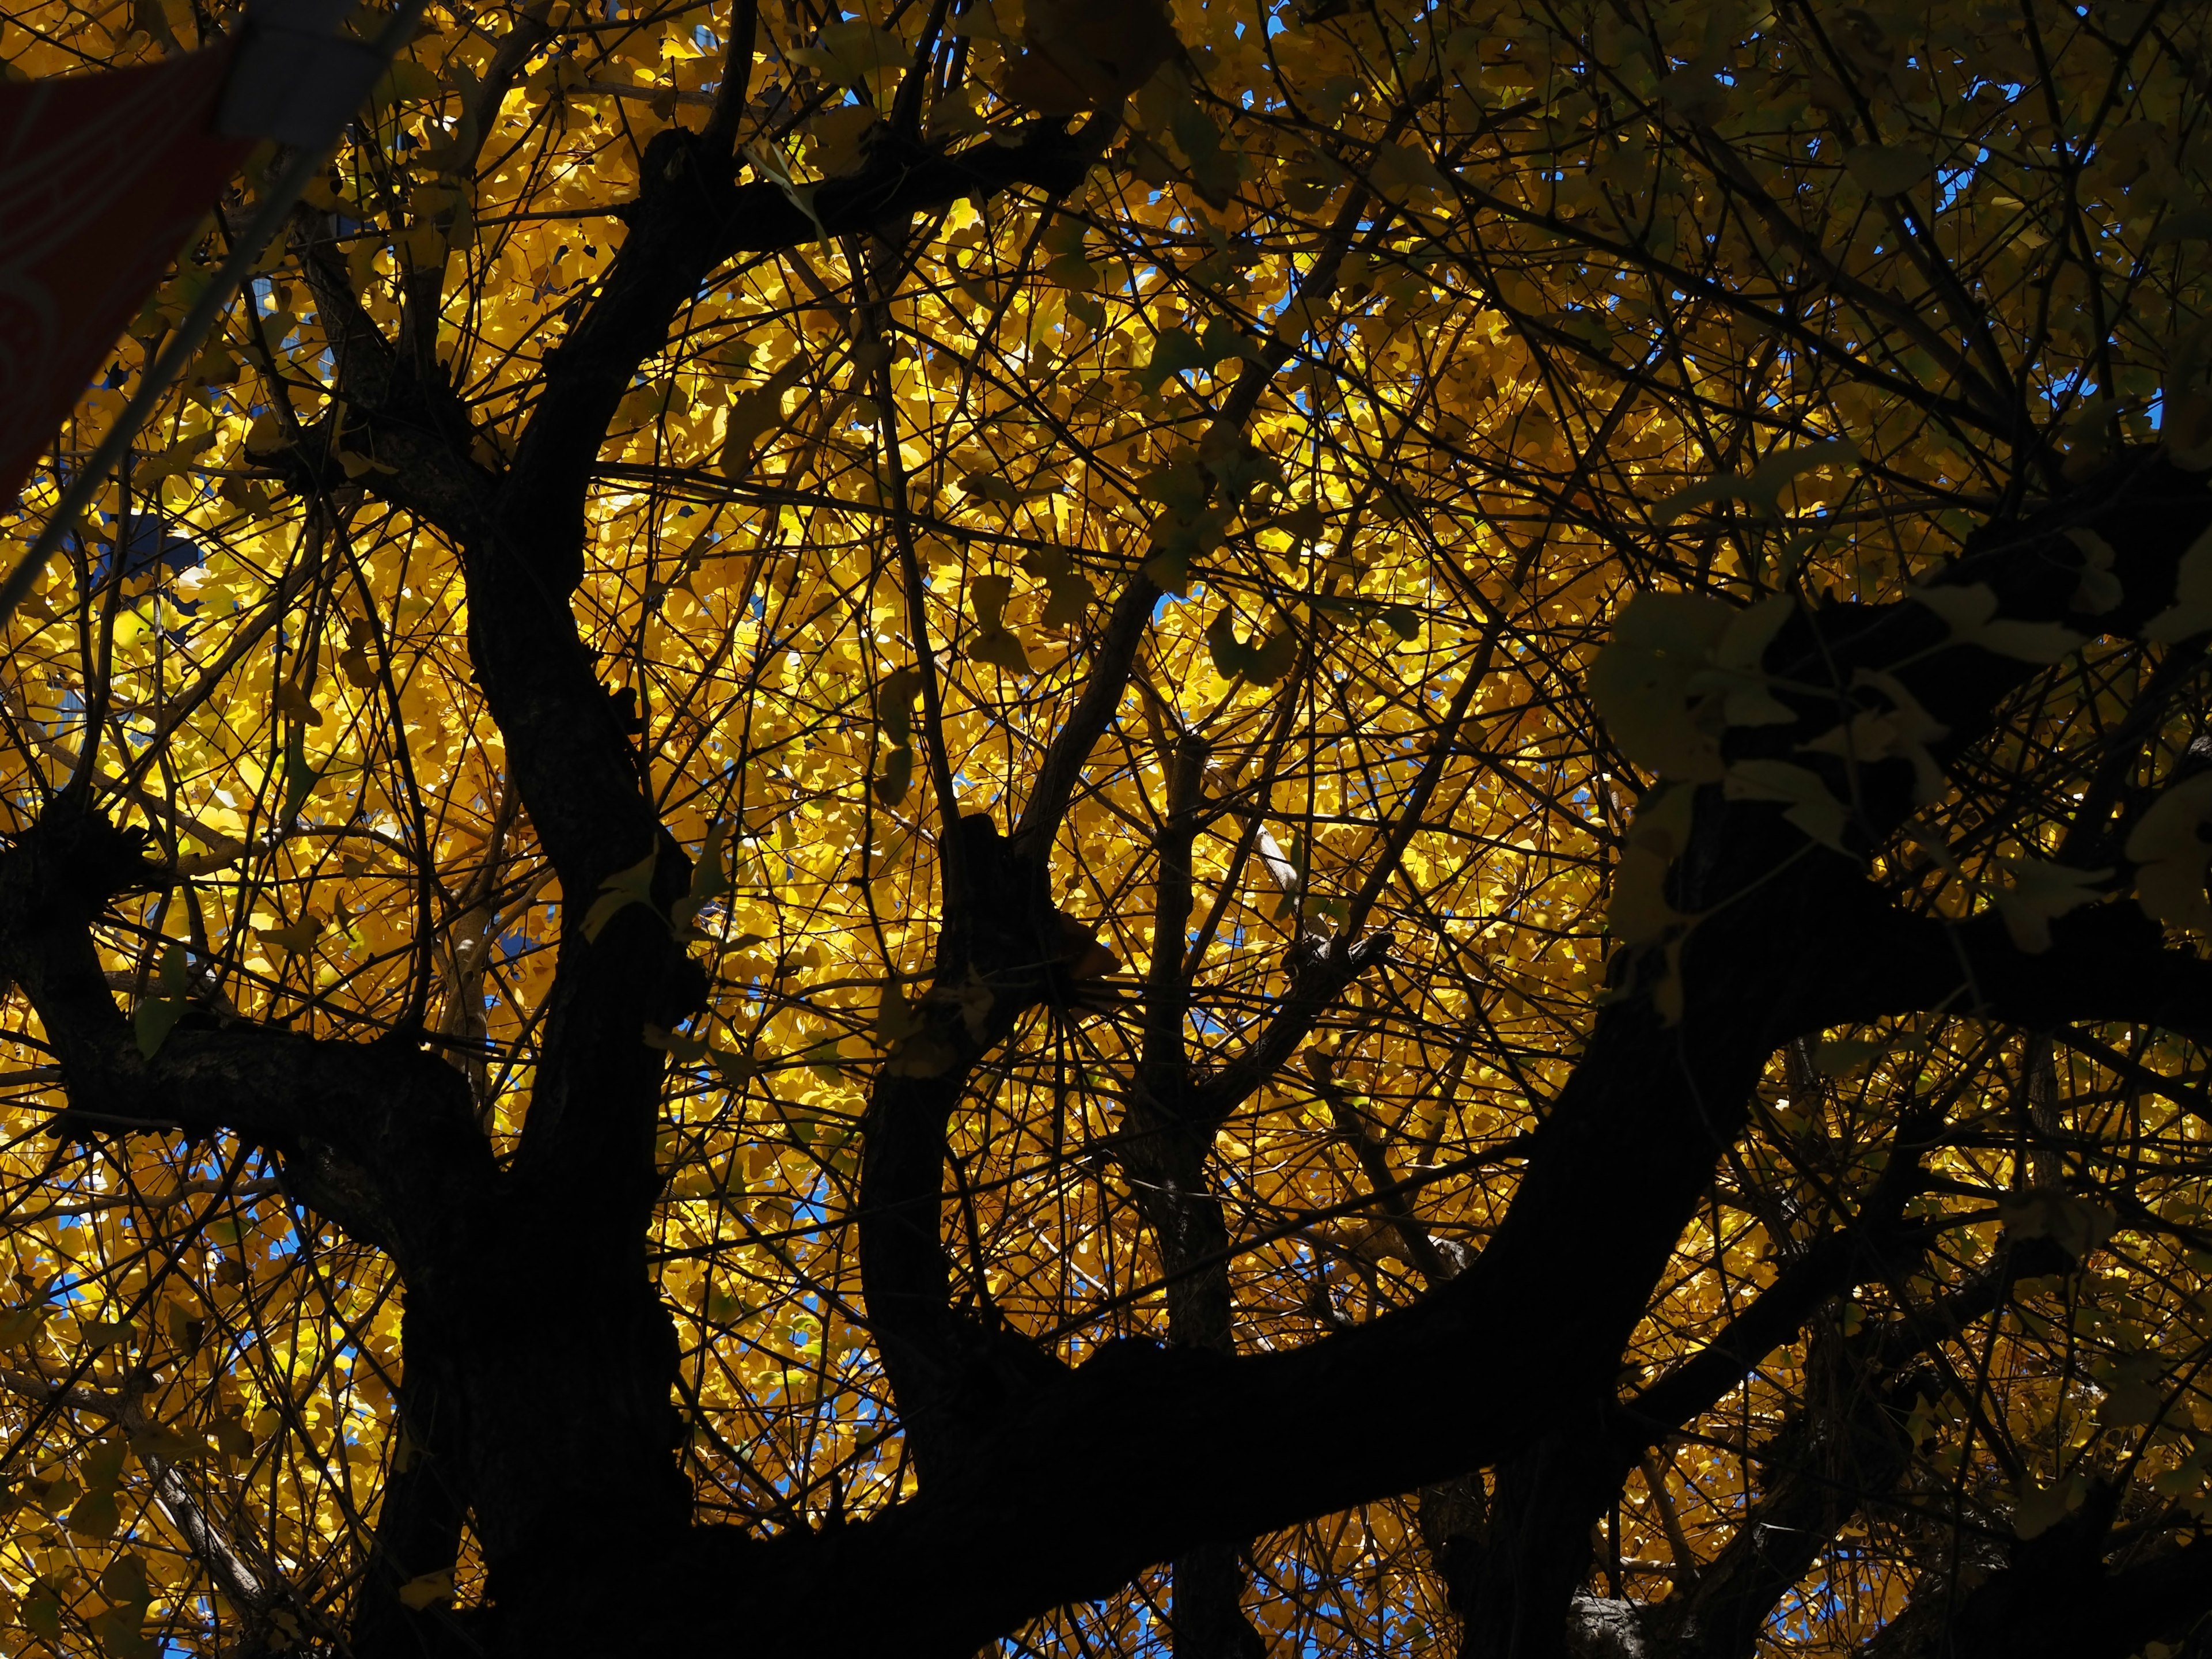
(681, 170)
(1008, 930)
(1357, 958)
(1321, 964)
(1006, 948)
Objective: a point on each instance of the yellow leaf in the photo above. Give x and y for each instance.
(2172, 856)
(1640, 682)
(1887, 169)
(1401, 173)
(232, 1438)
(427, 1590)
(19, 1325)
(853, 50)
(2099, 589)
(989, 594)
(423, 246)
(1971, 610)
(618, 892)
(1763, 485)
(1841, 1056)
(999, 647)
(295, 937)
(1084, 56)
(2191, 613)
(96, 1515)
(1903, 732)
(169, 1445)
(978, 21)
(171, 461)
(839, 136)
(406, 81)
(2039, 893)
(124, 1579)
(1639, 913)
(754, 414)
(925, 1053)
(2077, 1225)
(1810, 806)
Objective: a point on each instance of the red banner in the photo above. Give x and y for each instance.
(102, 177)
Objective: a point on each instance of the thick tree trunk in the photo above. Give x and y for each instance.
(542, 1360)
(419, 1521)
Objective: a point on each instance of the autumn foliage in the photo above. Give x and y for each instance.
(1335, 828)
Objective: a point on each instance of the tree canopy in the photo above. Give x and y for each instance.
(1347, 827)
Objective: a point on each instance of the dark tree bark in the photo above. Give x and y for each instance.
(2067, 1591)
(538, 1356)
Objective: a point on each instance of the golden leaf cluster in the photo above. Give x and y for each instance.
(1399, 346)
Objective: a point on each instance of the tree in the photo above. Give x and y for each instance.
(1356, 825)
